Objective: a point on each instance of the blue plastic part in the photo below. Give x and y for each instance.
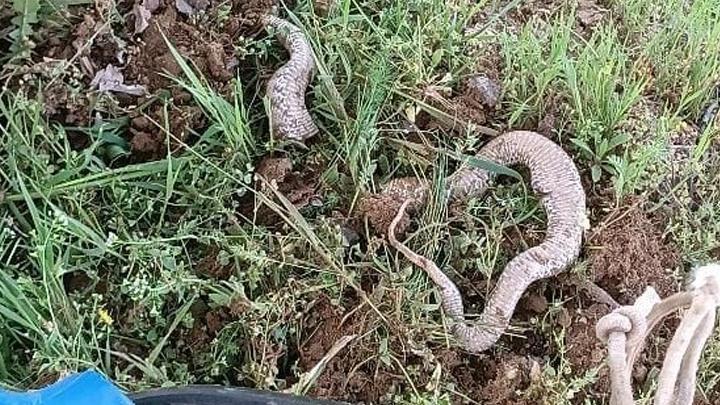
(86, 388)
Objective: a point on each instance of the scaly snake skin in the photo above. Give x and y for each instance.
(286, 88)
(554, 178)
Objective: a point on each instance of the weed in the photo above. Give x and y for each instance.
(228, 119)
(26, 15)
(598, 104)
(534, 62)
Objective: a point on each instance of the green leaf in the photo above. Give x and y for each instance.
(602, 148)
(583, 146)
(26, 14)
(485, 164)
(436, 57)
(618, 140)
(596, 172)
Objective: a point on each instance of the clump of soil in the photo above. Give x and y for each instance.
(250, 12)
(632, 254)
(208, 322)
(149, 139)
(460, 110)
(347, 376)
(504, 379)
(152, 59)
(380, 209)
(301, 187)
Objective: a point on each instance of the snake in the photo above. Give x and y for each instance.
(289, 116)
(553, 177)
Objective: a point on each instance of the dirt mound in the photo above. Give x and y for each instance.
(348, 376)
(500, 381)
(630, 254)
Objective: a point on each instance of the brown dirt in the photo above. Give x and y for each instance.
(143, 59)
(381, 208)
(273, 171)
(462, 109)
(208, 323)
(249, 12)
(341, 379)
(629, 252)
(302, 188)
(357, 375)
(151, 57)
(626, 253)
(501, 380)
(149, 140)
(584, 350)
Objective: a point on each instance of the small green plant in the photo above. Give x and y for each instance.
(597, 149)
(26, 15)
(603, 87)
(534, 61)
(228, 119)
(684, 49)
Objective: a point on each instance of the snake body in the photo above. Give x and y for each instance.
(554, 178)
(286, 88)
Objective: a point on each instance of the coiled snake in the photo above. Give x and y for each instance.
(554, 178)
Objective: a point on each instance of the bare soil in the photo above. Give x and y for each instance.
(629, 252)
(348, 376)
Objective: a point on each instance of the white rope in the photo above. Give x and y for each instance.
(624, 331)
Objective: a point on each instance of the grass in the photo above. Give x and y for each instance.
(106, 263)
